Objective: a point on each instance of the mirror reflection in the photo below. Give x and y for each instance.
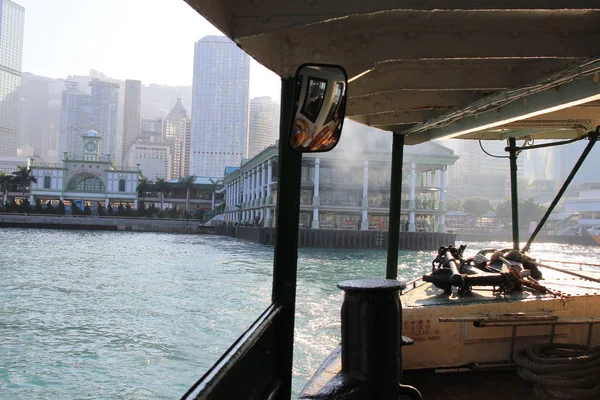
(320, 108)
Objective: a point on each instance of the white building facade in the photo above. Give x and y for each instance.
(342, 193)
(152, 159)
(87, 176)
(219, 133)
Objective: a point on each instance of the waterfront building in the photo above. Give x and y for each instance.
(219, 134)
(82, 112)
(581, 210)
(344, 191)
(174, 136)
(9, 164)
(153, 159)
(264, 124)
(86, 176)
(12, 18)
(132, 104)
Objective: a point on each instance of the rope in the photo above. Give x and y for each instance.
(561, 371)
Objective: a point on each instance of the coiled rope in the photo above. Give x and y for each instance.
(561, 371)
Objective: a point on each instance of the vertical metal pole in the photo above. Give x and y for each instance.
(578, 164)
(286, 245)
(391, 271)
(514, 195)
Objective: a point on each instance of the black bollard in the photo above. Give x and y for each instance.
(372, 337)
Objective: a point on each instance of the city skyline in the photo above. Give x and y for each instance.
(124, 45)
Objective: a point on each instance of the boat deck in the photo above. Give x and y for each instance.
(496, 385)
(427, 295)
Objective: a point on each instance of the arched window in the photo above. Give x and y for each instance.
(47, 182)
(121, 185)
(85, 182)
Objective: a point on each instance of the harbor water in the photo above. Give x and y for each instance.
(109, 315)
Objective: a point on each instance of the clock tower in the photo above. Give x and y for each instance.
(91, 146)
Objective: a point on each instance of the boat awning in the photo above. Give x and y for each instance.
(431, 69)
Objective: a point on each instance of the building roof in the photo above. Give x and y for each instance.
(229, 170)
(201, 180)
(178, 110)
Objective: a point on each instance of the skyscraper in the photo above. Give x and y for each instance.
(219, 134)
(12, 18)
(131, 114)
(175, 127)
(264, 124)
(81, 112)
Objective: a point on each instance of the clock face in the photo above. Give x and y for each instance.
(91, 146)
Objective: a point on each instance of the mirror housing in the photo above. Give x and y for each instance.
(319, 107)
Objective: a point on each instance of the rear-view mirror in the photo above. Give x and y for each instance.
(319, 108)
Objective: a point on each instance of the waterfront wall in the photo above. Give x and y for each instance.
(342, 238)
(102, 223)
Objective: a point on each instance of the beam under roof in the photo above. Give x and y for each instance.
(461, 75)
(257, 17)
(570, 94)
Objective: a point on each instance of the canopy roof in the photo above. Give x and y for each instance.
(434, 69)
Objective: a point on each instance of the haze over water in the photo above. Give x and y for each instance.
(107, 315)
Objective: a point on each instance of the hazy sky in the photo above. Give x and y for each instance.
(150, 40)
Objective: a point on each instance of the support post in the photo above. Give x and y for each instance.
(395, 207)
(286, 247)
(584, 154)
(514, 195)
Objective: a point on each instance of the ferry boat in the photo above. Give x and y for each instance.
(425, 70)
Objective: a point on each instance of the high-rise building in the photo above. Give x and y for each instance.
(219, 135)
(187, 144)
(131, 114)
(12, 18)
(81, 112)
(152, 130)
(264, 124)
(175, 126)
(153, 159)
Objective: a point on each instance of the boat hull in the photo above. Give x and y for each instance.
(460, 343)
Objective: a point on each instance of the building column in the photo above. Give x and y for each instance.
(442, 221)
(245, 199)
(364, 223)
(261, 193)
(135, 204)
(315, 221)
(31, 200)
(269, 199)
(250, 196)
(411, 200)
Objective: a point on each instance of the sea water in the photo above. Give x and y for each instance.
(111, 315)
